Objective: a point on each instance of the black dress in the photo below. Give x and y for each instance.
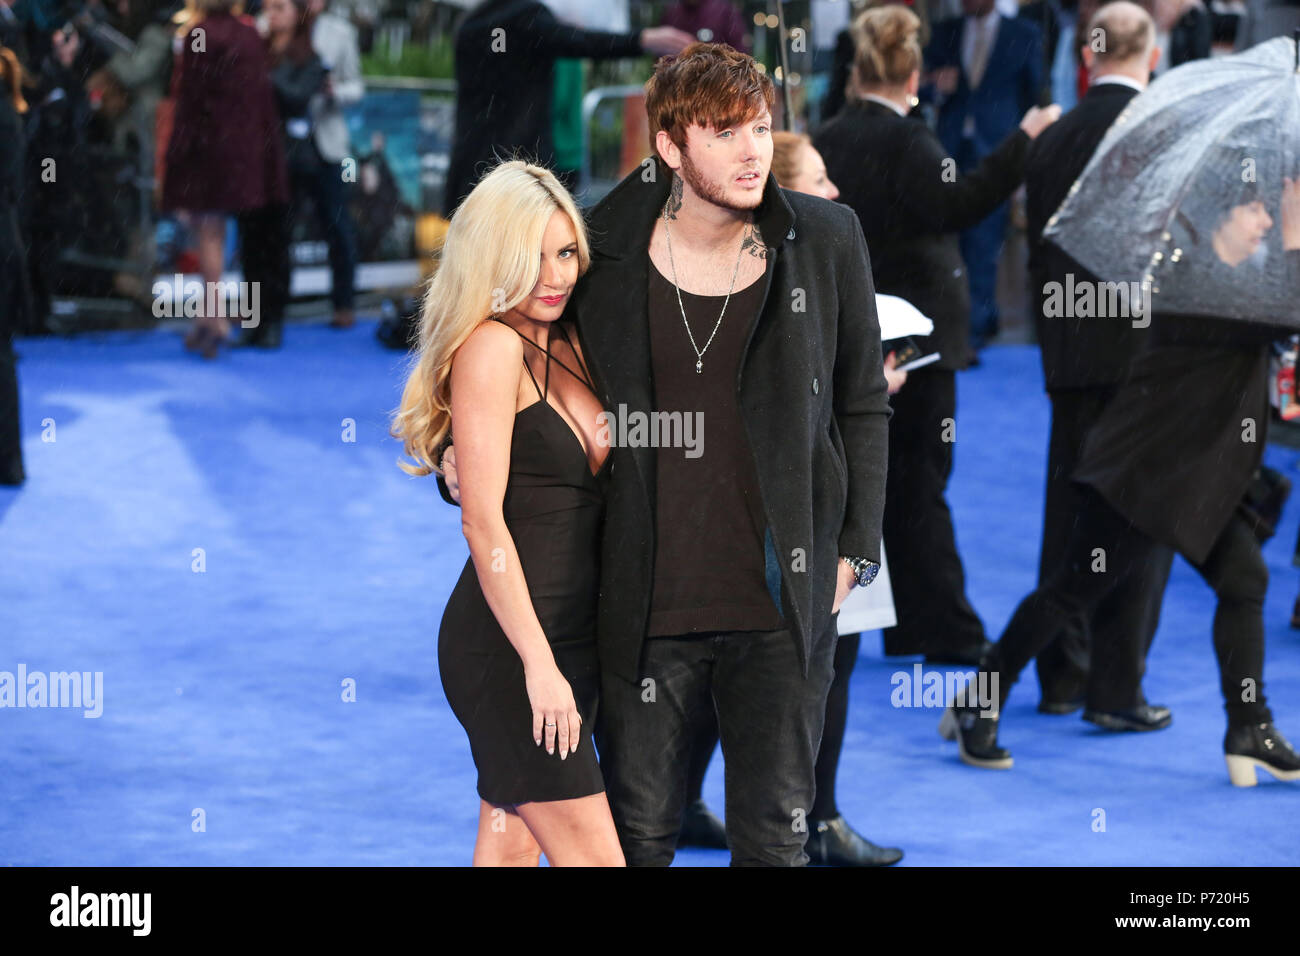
(554, 507)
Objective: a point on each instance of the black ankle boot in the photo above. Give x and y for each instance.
(1248, 747)
(833, 842)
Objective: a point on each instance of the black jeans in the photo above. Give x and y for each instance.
(1234, 568)
(264, 253)
(769, 718)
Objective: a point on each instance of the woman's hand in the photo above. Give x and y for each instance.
(555, 713)
(894, 378)
(449, 473)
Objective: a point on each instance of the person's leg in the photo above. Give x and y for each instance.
(645, 731)
(11, 439)
(1063, 664)
(837, 716)
(981, 248)
(330, 199)
(1103, 548)
(1236, 570)
(770, 721)
(503, 838)
(935, 617)
(1124, 624)
(578, 832)
(700, 825)
(210, 236)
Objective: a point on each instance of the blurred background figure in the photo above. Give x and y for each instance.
(1265, 19)
(988, 71)
(912, 201)
(1084, 361)
(335, 42)
(225, 155)
(505, 56)
(15, 296)
(709, 21)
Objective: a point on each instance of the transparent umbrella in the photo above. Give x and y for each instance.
(1192, 200)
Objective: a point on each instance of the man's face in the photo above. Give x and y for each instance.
(729, 167)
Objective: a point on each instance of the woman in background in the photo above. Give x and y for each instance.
(912, 202)
(225, 155)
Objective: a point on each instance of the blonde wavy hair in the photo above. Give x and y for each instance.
(489, 263)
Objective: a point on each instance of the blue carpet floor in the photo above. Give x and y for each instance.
(323, 564)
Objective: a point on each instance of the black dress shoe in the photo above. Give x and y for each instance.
(976, 736)
(969, 656)
(834, 843)
(1142, 717)
(702, 828)
(1247, 747)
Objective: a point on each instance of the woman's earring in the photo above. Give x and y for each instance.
(913, 101)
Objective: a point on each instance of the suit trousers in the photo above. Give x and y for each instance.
(924, 566)
(769, 718)
(1103, 549)
(1124, 622)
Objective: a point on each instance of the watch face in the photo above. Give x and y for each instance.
(867, 575)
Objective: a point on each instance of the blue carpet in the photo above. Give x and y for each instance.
(323, 564)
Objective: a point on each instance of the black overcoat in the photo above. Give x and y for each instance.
(811, 390)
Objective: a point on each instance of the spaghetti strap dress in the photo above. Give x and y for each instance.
(554, 508)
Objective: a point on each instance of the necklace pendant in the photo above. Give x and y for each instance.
(699, 367)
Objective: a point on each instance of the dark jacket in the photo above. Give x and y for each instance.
(1177, 447)
(912, 202)
(812, 396)
(226, 152)
(1076, 352)
(503, 96)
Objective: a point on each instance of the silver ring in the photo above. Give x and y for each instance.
(550, 723)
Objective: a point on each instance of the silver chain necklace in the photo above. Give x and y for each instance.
(699, 352)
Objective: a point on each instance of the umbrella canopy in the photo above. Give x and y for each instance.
(1183, 199)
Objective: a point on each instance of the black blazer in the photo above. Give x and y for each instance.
(912, 202)
(812, 397)
(1076, 352)
(503, 96)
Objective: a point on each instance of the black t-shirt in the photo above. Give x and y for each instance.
(711, 571)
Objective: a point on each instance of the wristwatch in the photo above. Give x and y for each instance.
(864, 570)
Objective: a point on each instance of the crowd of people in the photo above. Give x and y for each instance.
(693, 598)
(626, 590)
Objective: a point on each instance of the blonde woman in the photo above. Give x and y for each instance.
(517, 645)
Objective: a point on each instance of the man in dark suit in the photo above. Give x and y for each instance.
(988, 69)
(1084, 361)
(505, 67)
